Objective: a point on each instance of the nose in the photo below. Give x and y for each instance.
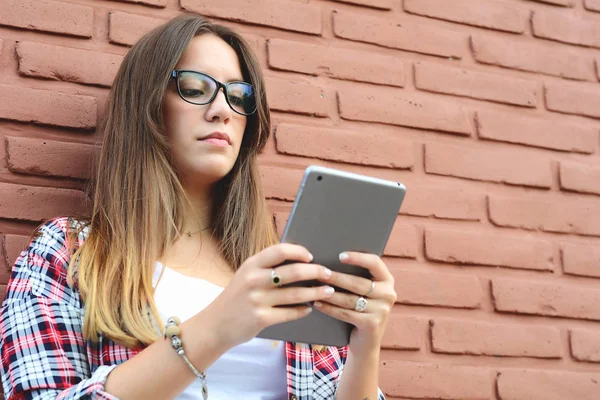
(218, 109)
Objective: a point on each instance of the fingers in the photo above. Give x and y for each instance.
(344, 314)
(345, 300)
(371, 262)
(355, 284)
(260, 278)
(277, 254)
(286, 314)
(295, 295)
(292, 273)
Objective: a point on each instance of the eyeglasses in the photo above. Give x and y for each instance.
(199, 88)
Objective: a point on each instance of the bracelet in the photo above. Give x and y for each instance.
(172, 332)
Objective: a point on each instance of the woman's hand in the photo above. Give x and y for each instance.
(379, 294)
(249, 303)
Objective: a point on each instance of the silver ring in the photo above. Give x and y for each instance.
(361, 304)
(370, 290)
(275, 279)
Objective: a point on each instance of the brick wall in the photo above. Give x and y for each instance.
(488, 110)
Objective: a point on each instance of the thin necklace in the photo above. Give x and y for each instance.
(193, 233)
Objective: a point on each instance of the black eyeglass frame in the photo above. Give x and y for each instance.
(176, 73)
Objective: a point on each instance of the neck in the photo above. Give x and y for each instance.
(198, 212)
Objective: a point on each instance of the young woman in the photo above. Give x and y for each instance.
(180, 228)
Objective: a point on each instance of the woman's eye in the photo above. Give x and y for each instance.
(192, 92)
(236, 100)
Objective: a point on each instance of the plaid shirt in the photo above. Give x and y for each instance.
(44, 354)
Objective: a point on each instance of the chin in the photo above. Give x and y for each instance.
(209, 173)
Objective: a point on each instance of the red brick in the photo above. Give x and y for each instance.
(547, 299)
(49, 157)
(564, 3)
(585, 345)
(125, 28)
(48, 16)
(437, 289)
(284, 14)
(335, 62)
(567, 215)
(155, 3)
(533, 56)
(399, 34)
(47, 107)
(598, 67)
(297, 97)
(434, 381)
(2, 295)
(381, 4)
(12, 245)
(280, 183)
(463, 247)
(582, 260)
(444, 203)
(403, 333)
(500, 166)
(280, 219)
(579, 99)
(580, 178)
(33, 203)
(592, 5)
(536, 131)
(548, 385)
(565, 28)
(396, 107)
(345, 146)
(490, 14)
(403, 242)
(451, 336)
(440, 78)
(67, 64)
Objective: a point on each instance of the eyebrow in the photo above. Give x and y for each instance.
(240, 79)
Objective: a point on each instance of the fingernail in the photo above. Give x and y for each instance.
(327, 272)
(318, 304)
(310, 257)
(308, 310)
(329, 290)
(344, 256)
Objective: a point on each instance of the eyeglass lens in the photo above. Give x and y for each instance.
(198, 88)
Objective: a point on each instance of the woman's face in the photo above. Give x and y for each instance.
(201, 160)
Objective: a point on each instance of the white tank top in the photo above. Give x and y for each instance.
(255, 370)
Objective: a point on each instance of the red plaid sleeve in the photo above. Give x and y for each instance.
(43, 352)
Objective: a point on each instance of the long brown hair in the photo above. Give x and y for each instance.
(138, 197)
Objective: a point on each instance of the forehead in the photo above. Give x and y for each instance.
(211, 54)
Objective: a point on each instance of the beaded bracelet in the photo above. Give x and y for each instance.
(172, 332)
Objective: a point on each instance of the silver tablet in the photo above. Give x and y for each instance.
(335, 211)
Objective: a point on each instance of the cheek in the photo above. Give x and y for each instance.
(178, 117)
(239, 125)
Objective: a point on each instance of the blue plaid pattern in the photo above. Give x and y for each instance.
(44, 354)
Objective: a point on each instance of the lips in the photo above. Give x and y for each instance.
(217, 136)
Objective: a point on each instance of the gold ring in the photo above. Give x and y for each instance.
(276, 279)
(370, 290)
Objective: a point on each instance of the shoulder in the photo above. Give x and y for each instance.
(41, 268)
